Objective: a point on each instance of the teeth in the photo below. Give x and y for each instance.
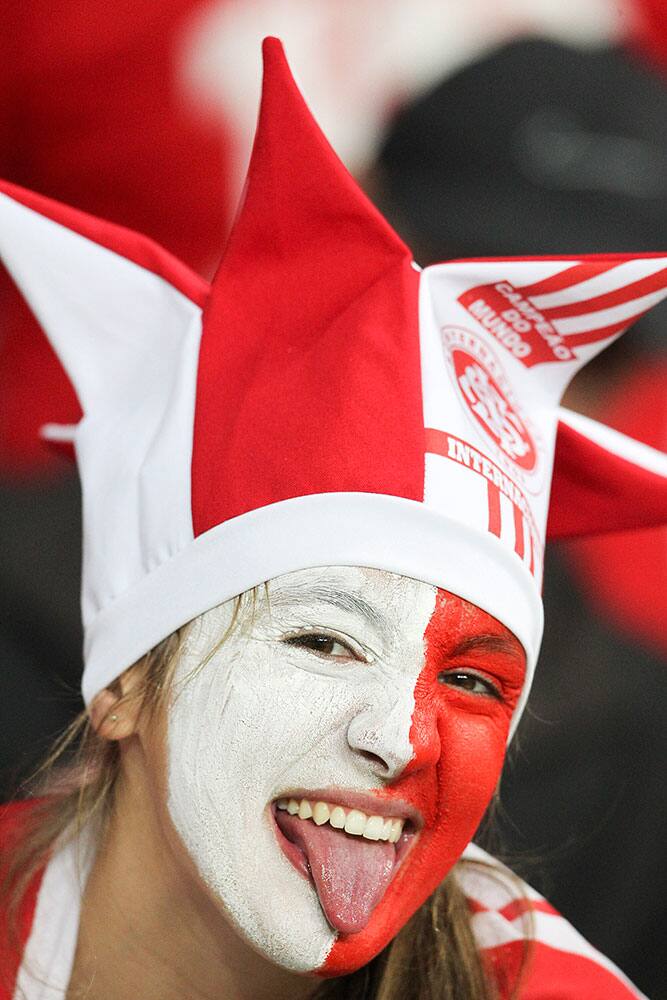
(305, 811)
(337, 818)
(396, 830)
(321, 813)
(374, 827)
(353, 821)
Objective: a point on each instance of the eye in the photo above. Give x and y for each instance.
(324, 645)
(474, 683)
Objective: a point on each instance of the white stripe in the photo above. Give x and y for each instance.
(507, 532)
(49, 954)
(616, 443)
(601, 284)
(606, 317)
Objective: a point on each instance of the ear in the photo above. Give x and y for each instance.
(114, 715)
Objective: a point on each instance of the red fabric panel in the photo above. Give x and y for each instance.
(553, 975)
(11, 818)
(309, 378)
(638, 408)
(34, 390)
(647, 32)
(594, 491)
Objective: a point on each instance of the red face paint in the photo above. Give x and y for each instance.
(459, 740)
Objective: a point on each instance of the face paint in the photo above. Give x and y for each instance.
(358, 719)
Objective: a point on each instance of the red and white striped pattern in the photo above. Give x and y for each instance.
(509, 515)
(591, 301)
(507, 917)
(513, 924)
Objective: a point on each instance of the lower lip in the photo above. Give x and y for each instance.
(298, 858)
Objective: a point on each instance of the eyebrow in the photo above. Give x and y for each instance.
(341, 599)
(489, 643)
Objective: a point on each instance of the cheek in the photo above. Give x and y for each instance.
(453, 794)
(458, 752)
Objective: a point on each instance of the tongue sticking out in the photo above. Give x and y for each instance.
(350, 873)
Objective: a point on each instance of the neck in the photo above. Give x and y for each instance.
(148, 925)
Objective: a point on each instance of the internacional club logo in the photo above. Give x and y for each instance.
(488, 396)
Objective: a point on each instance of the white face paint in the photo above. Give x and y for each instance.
(264, 718)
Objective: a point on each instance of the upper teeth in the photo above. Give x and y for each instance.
(351, 820)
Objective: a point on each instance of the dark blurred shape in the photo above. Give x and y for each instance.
(41, 637)
(540, 149)
(583, 798)
(536, 149)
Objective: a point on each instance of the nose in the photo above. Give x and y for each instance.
(391, 733)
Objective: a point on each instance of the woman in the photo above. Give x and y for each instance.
(315, 498)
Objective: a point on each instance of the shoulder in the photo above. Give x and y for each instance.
(13, 819)
(513, 924)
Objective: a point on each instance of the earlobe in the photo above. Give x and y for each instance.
(111, 716)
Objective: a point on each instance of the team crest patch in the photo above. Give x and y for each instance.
(489, 400)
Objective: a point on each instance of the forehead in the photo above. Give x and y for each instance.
(386, 605)
(385, 601)
(390, 603)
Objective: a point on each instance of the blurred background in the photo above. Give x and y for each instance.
(480, 127)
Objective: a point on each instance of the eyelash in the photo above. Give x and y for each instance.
(491, 690)
(311, 640)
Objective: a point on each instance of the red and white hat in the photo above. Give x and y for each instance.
(324, 401)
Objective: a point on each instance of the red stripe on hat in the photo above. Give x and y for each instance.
(626, 293)
(518, 532)
(493, 494)
(593, 336)
(531, 543)
(570, 276)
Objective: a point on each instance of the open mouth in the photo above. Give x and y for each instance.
(349, 855)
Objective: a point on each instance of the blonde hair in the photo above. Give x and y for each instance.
(434, 955)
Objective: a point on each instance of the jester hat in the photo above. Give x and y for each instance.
(324, 401)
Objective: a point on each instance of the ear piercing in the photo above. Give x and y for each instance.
(113, 718)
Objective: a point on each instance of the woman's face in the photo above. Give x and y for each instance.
(348, 700)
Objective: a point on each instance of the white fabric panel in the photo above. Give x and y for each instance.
(49, 955)
(455, 489)
(129, 341)
(329, 529)
(529, 392)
